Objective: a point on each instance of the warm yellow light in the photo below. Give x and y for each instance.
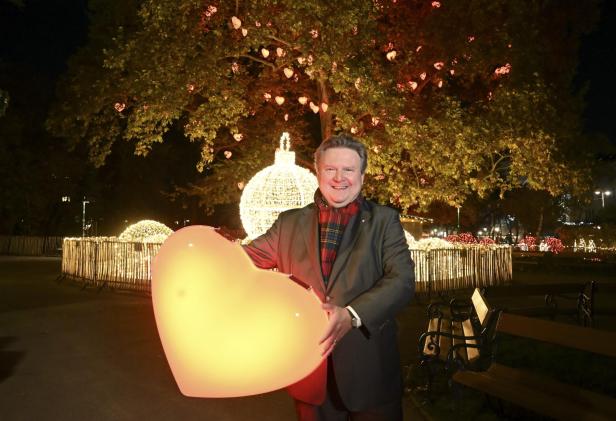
(227, 328)
(146, 231)
(274, 189)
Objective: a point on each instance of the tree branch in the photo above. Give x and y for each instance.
(253, 58)
(283, 42)
(498, 161)
(422, 85)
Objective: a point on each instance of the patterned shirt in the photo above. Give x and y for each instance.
(332, 222)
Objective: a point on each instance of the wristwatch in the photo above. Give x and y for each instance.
(354, 321)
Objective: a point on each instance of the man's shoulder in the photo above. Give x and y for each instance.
(297, 212)
(378, 209)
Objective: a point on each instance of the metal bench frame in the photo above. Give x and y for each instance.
(467, 326)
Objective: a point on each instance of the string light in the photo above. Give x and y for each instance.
(275, 189)
(146, 231)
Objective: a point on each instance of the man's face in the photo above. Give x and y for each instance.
(339, 175)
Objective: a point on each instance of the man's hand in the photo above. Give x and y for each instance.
(339, 324)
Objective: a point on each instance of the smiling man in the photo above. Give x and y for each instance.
(353, 253)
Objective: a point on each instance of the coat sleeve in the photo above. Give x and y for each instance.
(397, 285)
(263, 250)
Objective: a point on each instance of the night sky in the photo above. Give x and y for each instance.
(595, 68)
(42, 33)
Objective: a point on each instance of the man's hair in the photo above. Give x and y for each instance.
(342, 140)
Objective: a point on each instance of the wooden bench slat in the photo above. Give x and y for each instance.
(481, 308)
(438, 325)
(434, 325)
(458, 330)
(467, 328)
(533, 289)
(539, 394)
(577, 297)
(534, 391)
(572, 336)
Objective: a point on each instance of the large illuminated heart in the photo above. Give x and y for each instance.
(228, 328)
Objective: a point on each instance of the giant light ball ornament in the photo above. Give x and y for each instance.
(275, 189)
(228, 328)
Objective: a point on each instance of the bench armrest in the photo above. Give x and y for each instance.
(461, 309)
(456, 309)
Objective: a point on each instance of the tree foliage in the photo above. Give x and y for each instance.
(4, 102)
(453, 98)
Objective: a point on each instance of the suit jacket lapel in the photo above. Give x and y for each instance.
(351, 233)
(310, 231)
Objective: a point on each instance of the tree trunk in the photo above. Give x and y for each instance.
(540, 224)
(324, 116)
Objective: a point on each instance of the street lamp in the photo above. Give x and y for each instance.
(603, 193)
(84, 202)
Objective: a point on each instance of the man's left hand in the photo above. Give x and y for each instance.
(338, 326)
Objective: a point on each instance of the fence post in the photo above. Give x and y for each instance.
(95, 264)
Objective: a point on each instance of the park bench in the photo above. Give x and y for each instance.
(537, 392)
(605, 306)
(460, 328)
(554, 294)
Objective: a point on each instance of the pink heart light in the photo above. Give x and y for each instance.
(228, 328)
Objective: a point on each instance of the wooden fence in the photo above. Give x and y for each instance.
(127, 265)
(472, 266)
(30, 246)
(112, 262)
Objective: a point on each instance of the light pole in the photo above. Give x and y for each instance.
(84, 202)
(459, 219)
(603, 193)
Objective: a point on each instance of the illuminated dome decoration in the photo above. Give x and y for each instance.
(431, 243)
(146, 231)
(275, 189)
(410, 240)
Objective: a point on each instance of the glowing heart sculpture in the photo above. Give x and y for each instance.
(228, 328)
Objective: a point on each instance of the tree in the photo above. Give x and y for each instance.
(4, 102)
(34, 172)
(452, 98)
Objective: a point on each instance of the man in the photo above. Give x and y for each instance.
(354, 255)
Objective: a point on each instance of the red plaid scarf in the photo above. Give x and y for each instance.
(332, 222)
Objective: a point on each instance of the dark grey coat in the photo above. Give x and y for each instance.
(373, 273)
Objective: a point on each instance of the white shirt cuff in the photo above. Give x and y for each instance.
(354, 313)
